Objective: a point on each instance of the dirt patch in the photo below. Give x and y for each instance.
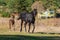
(43, 25)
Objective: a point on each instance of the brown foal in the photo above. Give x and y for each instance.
(12, 22)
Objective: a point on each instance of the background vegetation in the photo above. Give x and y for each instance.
(17, 5)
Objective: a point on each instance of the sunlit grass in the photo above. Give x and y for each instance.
(27, 34)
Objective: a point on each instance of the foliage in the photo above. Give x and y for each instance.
(5, 14)
(25, 4)
(2, 2)
(19, 5)
(52, 4)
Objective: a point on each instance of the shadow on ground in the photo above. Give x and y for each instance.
(21, 37)
(46, 33)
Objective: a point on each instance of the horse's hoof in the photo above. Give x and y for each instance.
(20, 30)
(28, 31)
(25, 31)
(32, 32)
(14, 30)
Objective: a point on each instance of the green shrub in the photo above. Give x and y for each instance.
(5, 14)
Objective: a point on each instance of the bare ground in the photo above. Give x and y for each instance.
(43, 25)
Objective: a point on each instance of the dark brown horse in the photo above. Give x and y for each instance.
(28, 17)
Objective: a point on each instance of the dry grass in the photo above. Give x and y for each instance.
(42, 25)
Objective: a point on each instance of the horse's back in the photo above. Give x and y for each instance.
(29, 17)
(23, 15)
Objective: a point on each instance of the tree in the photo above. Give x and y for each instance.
(52, 4)
(19, 4)
(2, 3)
(25, 4)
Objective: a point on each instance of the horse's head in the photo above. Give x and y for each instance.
(34, 12)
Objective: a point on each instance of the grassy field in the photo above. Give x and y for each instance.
(28, 36)
(20, 37)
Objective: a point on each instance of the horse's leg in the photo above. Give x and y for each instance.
(33, 27)
(10, 25)
(21, 25)
(29, 27)
(25, 26)
(13, 27)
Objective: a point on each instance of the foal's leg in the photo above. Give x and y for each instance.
(13, 27)
(29, 27)
(25, 26)
(21, 25)
(10, 25)
(33, 27)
